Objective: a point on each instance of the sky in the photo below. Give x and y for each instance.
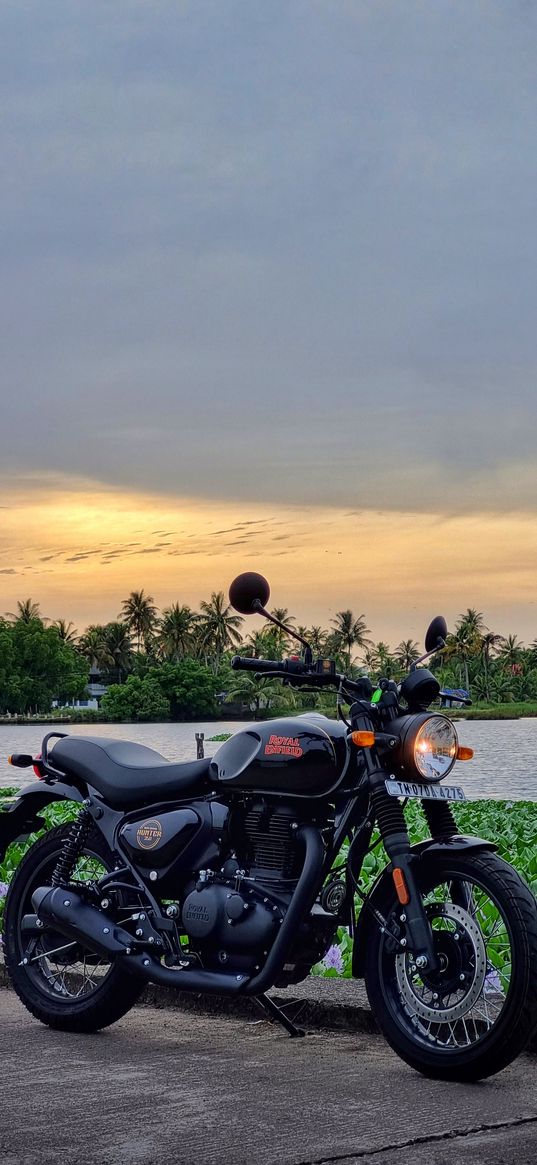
(268, 302)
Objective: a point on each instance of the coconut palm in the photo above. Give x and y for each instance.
(280, 637)
(490, 642)
(175, 636)
(349, 631)
(218, 627)
(260, 695)
(510, 653)
(406, 653)
(66, 631)
(316, 638)
(117, 648)
(92, 646)
(139, 614)
(26, 612)
(464, 644)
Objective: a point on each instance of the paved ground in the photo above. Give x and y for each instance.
(196, 1090)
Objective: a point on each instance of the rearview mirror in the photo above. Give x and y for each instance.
(249, 593)
(436, 632)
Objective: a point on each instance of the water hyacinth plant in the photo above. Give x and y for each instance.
(512, 825)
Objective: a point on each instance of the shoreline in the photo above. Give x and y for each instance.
(497, 712)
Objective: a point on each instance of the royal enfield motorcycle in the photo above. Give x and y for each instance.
(231, 875)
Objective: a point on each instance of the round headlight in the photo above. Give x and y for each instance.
(435, 748)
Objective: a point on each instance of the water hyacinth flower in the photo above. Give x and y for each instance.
(492, 982)
(333, 960)
(3, 889)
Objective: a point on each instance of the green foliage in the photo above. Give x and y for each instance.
(512, 825)
(37, 666)
(189, 687)
(136, 699)
(53, 815)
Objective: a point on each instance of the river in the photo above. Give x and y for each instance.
(504, 766)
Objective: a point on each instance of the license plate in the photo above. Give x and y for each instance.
(425, 792)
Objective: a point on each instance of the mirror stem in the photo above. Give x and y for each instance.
(258, 607)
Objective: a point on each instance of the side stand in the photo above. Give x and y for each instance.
(274, 1012)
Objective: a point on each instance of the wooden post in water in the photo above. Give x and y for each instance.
(200, 750)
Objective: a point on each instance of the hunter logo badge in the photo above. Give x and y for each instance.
(149, 834)
(283, 746)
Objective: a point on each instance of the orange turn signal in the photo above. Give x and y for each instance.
(363, 739)
(464, 753)
(401, 887)
(9, 760)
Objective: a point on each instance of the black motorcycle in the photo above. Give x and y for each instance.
(232, 875)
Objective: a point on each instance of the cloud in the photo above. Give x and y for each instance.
(291, 256)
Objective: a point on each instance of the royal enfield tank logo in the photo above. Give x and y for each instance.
(283, 746)
(149, 834)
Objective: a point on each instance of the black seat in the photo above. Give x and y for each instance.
(126, 773)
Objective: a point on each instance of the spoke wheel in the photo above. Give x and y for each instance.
(62, 983)
(476, 1012)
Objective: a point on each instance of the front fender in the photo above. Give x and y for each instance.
(432, 848)
(22, 818)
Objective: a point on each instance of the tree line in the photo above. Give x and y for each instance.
(176, 663)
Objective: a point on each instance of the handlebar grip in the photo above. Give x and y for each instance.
(246, 663)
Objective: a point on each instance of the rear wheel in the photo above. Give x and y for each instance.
(63, 984)
(476, 1013)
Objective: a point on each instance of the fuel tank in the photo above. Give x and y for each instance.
(304, 756)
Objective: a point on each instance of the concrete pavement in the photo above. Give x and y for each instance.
(197, 1090)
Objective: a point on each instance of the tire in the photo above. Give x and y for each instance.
(484, 919)
(48, 995)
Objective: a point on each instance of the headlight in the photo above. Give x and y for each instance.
(428, 748)
(435, 748)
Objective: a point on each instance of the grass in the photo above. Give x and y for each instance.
(514, 711)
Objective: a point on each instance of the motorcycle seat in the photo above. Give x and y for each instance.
(127, 774)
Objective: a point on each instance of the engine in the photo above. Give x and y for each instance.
(232, 916)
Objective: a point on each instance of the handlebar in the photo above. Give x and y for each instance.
(285, 666)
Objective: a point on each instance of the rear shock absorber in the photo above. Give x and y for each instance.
(72, 848)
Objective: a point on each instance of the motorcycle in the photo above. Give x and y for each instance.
(232, 875)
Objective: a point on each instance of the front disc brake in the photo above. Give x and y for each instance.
(428, 1000)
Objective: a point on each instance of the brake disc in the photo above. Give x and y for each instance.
(425, 1000)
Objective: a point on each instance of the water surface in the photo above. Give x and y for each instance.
(504, 766)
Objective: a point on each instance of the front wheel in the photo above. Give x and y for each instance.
(476, 1013)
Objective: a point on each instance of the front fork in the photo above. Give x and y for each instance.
(411, 917)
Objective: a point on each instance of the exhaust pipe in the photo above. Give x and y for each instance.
(66, 912)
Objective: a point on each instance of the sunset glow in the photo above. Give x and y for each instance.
(79, 549)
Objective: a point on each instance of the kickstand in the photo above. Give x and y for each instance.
(274, 1012)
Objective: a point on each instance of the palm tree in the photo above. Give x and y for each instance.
(218, 627)
(281, 639)
(465, 642)
(349, 632)
(490, 642)
(27, 611)
(139, 613)
(260, 695)
(316, 638)
(93, 647)
(510, 653)
(406, 653)
(66, 631)
(117, 648)
(175, 636)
